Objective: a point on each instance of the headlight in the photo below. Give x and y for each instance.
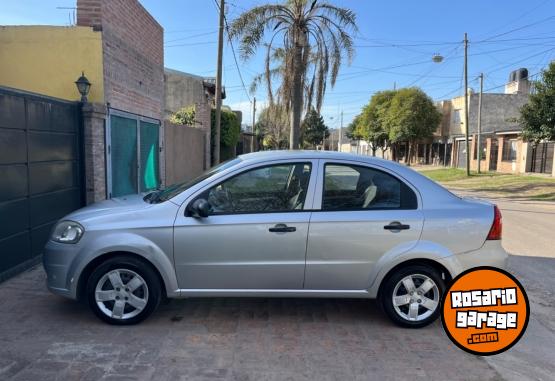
(67, 232)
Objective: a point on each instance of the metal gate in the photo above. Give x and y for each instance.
(133, 153)
(461, 154)
(542, 158)
(493, 155)
(40, 172)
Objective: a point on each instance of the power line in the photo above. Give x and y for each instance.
(453, 51)
(520, 17)
(519, 28)
(191, 44)
(192, 36)
(503, 85)
(234, 55)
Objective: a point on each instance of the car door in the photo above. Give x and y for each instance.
(255, 236)
(362, 212)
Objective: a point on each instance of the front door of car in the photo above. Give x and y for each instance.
(255, 234)
(362, 214)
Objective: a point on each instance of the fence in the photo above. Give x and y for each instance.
(184, 147)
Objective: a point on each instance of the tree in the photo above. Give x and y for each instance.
(230, 129)
(184, 116)
(307, 28)
(273, 125)
(411, 115)
(538, 115)
(372, 124)
(313, 129)
(353, 131)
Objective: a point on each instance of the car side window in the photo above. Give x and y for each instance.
(353, 187)
(276, 188)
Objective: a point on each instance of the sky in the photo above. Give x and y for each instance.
(394, 45)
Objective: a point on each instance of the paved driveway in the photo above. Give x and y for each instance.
(44, 337)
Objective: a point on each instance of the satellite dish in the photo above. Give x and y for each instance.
(437, 58)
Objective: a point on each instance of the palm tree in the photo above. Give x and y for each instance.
(314, 40)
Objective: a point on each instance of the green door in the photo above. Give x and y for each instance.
(134, 149)
(148, 178)
(123, 155)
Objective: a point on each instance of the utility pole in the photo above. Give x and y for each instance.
(479, 141)
(219, 85)
(324, 141)
(253, 121)
(340, 133)
(466, 126)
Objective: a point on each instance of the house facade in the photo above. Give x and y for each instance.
(118, 46)
(502, 148)
(58, 154)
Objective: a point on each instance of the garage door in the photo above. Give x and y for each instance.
(39, 170)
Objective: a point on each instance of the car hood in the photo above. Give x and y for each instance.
(131, 203)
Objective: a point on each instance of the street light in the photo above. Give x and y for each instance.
(83, 86)
(437, 58)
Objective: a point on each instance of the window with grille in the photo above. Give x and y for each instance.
(509, 150)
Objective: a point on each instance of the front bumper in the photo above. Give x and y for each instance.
(58, 262)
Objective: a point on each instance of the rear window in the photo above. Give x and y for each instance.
(353, 187)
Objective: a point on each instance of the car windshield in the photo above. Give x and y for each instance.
(175, 189)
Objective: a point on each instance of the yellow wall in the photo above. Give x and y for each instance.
(49, 59)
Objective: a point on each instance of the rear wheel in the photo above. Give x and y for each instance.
(411, 297)
(123, 290)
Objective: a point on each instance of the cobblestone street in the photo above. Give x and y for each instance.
(49, 338)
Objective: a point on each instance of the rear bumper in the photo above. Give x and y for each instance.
(490, 254)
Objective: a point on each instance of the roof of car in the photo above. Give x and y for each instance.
(425, 186)
(294, 154)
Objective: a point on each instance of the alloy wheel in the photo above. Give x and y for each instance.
(121, 294)
(415, 297)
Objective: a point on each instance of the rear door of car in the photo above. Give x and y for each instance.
(361, 212)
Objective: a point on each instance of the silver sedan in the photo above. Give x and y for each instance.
(277, 224)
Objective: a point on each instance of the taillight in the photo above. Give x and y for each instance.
(497, 226)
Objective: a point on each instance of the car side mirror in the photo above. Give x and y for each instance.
(200, 208)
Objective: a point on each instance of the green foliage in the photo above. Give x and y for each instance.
(185, 116)
(313, 129)
(394, 116)
(312, 40)
(353, 131)
(273, 125)
(230, 128)
(411, 115)
(371, 124)
(538, 115)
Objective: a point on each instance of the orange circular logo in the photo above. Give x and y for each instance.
(485, 311)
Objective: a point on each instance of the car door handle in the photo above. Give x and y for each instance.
(282, 228)
(396, 225)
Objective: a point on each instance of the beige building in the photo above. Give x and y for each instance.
(501, 146)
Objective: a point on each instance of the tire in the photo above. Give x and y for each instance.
(126, 301)
(419, 305)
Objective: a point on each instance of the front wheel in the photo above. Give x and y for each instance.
(412, 296)
(123, 290)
